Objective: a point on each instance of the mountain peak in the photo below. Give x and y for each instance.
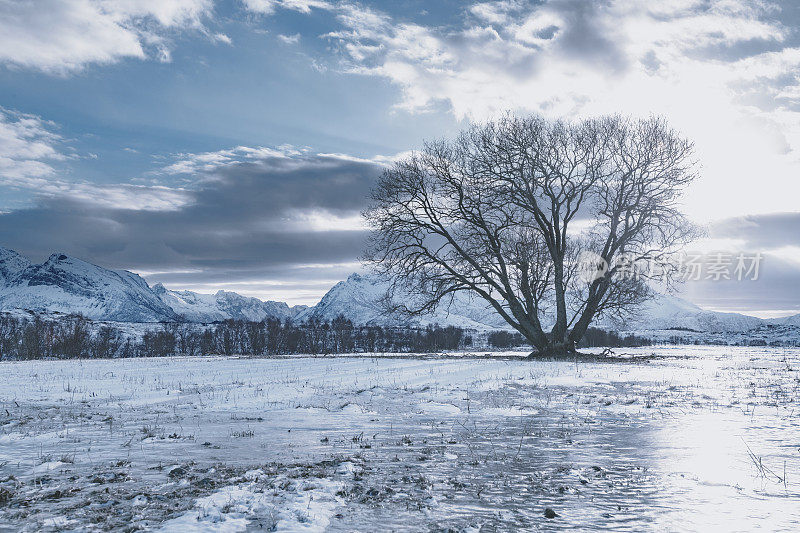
(5, 252)
(360, 298)
(70, 285)
(58, 258)
(11, 265)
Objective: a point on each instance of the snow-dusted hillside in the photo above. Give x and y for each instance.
(69, 285)
(64, 284)
(793, 320)
(223, 305)
(11, 265)
(666, 312)
(359, 298)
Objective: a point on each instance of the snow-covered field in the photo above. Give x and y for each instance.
(694, 439)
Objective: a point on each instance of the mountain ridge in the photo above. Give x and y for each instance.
(69, 285)
(224, 305)
(66, 284)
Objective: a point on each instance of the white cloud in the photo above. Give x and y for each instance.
(123, 196)
(493, 12)
(61, 36)
(200, 166)
(322, 220)
(29, 150)
(166, 12)
(222, 38)
(787, 253)
(290, 39)
(520, 55)
(210, 161)
(267, 7)
(719, 70)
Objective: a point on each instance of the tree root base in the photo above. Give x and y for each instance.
(567, 355)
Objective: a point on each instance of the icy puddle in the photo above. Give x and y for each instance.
(694, 439)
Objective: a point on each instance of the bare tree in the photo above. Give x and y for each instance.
(507, 211)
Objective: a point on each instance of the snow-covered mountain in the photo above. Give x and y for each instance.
(68, 285)
(666, 312)
(793, 320)
(11, 265)
(64, 284)
(223, 305)
(359, 298)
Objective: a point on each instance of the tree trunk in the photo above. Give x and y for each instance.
(580, 327)
(564, 348)
(560, 328)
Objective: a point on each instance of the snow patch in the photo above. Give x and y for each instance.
(307, 506)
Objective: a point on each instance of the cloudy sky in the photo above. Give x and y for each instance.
(229, 144)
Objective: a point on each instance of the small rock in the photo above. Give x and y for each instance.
(205, 483)
(549, 513)
(177, 472)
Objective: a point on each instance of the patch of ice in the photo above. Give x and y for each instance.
(508, 411)
(435, 408)
(48, 466)
(356, 409)
(58, 522)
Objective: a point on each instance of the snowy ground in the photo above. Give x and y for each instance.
(698, 438)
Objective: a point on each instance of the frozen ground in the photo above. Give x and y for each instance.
(695, 439)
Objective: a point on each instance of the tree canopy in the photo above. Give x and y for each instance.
(513, 210)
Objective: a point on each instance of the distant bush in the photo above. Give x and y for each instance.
(505, 339)
(595, 337)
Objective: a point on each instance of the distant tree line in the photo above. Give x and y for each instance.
(315, 337)
(71, 337)
(77, 337)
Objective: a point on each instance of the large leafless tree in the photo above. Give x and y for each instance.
(510, 210)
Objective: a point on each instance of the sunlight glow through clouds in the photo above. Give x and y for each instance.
(787, 253)
(656, 61)
(318, 220)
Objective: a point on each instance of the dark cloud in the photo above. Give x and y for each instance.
(776, 291)
(584, 37)
(237, 227)
(773, 230)
(778, 284)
